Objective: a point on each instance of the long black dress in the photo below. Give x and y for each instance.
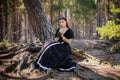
(57, 55)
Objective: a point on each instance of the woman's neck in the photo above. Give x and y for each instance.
(63, 27)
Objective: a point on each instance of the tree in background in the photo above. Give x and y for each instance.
(111, 28)
(1, 28)
(3, 19)
(80, 14)
(85, 13)
(83, 17)
(10, 20)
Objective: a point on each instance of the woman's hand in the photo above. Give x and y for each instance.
(56, 39)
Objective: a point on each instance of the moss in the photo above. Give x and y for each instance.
(2, 46)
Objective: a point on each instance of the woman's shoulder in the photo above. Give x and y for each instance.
(70, 30)
(69, 33)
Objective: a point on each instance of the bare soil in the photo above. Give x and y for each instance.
(86, 69)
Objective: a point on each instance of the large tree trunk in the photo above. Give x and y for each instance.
(101, 13)
(39, 22)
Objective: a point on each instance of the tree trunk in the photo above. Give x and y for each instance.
(51, 11)
(1, 26)
(14, 22)
(5, 30)
(101, 14)
(39, 22)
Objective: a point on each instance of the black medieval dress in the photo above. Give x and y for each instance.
(57, 55)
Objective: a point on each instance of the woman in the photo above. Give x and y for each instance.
(57, 54)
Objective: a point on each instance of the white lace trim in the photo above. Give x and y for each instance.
(66, 69)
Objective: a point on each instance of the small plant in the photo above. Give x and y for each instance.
(6, 42)
(115, 47)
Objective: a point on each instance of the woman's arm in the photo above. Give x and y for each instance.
(65, 39)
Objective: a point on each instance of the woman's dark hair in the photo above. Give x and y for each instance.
(63, 18)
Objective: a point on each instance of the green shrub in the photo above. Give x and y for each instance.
(110, 30)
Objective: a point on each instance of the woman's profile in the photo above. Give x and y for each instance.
(57, 54)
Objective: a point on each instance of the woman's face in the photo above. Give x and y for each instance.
(62, 23)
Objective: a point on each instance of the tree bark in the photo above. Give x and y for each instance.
(40, 24)
(1, 26)
(6, 20)
(101, 14)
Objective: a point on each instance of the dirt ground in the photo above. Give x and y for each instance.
(85, 70)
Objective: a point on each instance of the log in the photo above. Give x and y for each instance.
(81, 54)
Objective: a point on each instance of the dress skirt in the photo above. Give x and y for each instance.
(57, 55)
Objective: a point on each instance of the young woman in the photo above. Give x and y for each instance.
(57, 54)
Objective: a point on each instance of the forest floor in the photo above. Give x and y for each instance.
(96, 66)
